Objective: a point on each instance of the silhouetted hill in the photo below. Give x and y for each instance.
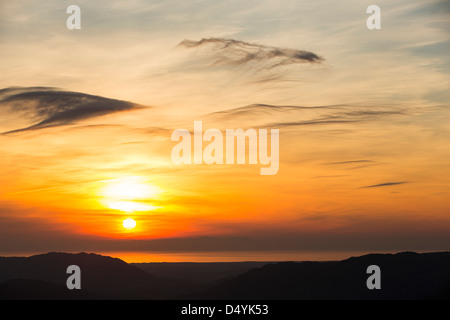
(201, 273)
(404, 275)
(99, 274)
(23, 289)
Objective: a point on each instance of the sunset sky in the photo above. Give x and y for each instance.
(87, 117)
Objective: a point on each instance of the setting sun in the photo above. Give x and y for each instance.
(129, 224)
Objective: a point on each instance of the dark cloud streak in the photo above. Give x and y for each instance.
(236, 52)
(386, 184)
(49, 107)
(251, 63)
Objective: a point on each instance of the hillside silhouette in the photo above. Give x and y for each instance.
(25, 289)
(104, 277)
(406, 275)
(99, 274)
(201, 273)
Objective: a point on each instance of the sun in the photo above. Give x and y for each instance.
(129, 223)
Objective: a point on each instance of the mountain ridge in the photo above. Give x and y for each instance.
(404, 276)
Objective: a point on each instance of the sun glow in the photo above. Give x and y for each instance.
(129, 206)
(129, 194)
(129, 188)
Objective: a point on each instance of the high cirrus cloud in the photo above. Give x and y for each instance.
(47, 107)
(238, 52)
(267, 63)
(386, 184)
(281, 116)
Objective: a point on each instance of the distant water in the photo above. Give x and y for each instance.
(234, 256)
(222, 256)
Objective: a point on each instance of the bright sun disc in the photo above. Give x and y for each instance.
(129, 224)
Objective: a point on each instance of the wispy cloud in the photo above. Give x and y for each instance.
(236, 52)
(386, 184)
(256, 62)
(49, 107)
(295, 116)
(349, 162)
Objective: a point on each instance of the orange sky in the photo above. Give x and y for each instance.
(364, 130)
